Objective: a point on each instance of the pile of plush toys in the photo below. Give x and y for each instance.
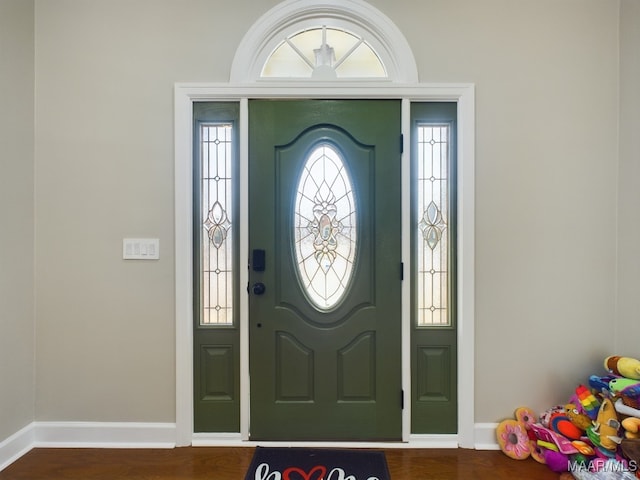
(595, 435)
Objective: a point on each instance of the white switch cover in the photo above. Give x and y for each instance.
(140, 248)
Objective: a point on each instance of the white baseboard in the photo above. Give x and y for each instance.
(163, 435)
(433, 441)
(218, 440)
(16, 446)
(485, 436)
(86, 435)
(104, 435)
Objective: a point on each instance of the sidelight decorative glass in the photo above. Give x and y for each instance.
(217, 229)
(325, 227)
(431, 224)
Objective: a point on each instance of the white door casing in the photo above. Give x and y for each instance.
(244, 84)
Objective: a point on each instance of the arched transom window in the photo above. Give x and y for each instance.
(330, 40)
(324, 53)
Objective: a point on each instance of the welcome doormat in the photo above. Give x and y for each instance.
(317, 464)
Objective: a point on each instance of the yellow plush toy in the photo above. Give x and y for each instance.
(631, 427)
(580, 420)
(624, 366)
(607, 426)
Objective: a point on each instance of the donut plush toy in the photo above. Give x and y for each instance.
(537, 452)
(525, 416)
(513, 439)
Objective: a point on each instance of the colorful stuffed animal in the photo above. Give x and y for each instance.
(624, 409)
(556, 461)
(589, 402)
(580, 420)
(600, 385)
(626, 389)
(631, 450)
(607, 426)
(624, 366)
(547, 415)
(617, 385)
(563, 425)
(552, 440)
(631, 427)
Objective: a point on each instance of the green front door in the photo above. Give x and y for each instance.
(325, 270)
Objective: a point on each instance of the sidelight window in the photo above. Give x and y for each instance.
(432, 225)
(217, 228)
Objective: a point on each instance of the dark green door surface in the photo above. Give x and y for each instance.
(325, 368)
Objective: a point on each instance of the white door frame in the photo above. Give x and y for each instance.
(185, 95)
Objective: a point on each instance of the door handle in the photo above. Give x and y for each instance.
(259, 288)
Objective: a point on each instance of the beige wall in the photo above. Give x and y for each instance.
(546, 75)
(628, 331)
(16, 216)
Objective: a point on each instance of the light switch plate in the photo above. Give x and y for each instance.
(140, 248)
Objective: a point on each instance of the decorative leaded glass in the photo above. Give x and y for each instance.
(431, 224)
(217, 229)
(324, 53)
(325, 227)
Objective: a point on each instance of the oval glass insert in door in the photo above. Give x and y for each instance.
(325, 233)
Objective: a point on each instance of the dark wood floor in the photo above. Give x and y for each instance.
(199, 463)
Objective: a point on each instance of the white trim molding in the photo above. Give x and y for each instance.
(86, 435)
(486, 436)
(185, 96)
(17, 445)
(104, 435)
(162, 435)
(295, 15)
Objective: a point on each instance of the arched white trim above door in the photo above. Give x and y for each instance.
(353, 15)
